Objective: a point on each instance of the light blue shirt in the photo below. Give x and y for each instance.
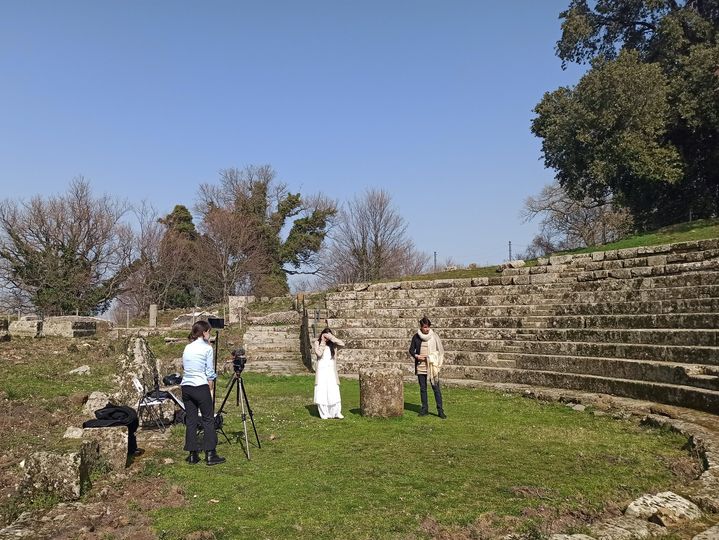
(197, 363)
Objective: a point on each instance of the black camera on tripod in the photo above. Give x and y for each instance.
(238, 360)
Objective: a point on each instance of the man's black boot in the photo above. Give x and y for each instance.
(193, 458)
(441, 414)
(422, 412)
(212, 458)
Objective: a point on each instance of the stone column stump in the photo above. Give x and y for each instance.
(381, 392)
(153, 315)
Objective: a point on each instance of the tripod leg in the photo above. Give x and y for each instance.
(244, 421)
(225, 435)
(222, 406)
(252, 416)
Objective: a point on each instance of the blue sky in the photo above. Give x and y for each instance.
(430, 100)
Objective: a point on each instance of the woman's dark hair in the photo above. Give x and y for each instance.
(199, 328)
(424, 321)
(330, 344)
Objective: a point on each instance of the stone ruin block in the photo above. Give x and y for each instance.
(381, 392)
(138, 362)
(666, 508)
(25, 328)
(560, 259)
(112, 445)
(69, 329)
(236, 304)
(66, 474)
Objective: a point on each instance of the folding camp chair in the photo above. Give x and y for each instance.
(149, 402)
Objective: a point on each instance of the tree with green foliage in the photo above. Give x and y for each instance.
(66, 253)
(641, 128)
(287, 229)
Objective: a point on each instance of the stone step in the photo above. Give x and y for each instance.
(697, 305)
(668, 320)
(635, 351)
(439, 322)
(282, 356)
(702, 305)
(463, 297)
(288, 347)
(664, 372)
(409, 330)
(459, 358)
(670, 394)
(432, 289)
(276, 367)
(653, 336)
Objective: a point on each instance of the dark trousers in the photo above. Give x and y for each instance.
(199, 397)
(423, 393)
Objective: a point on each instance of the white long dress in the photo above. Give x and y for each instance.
(327, 391)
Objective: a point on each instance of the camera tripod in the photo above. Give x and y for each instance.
(239, 385)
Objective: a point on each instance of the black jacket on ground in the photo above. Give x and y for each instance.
(111, 416)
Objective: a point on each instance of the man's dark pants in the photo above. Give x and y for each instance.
(423, 393)
(199, 397)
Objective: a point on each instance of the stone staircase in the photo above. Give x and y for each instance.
(273, 349)
(639, 323)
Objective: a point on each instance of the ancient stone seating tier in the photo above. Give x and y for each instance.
(273, 349)
(638, 323)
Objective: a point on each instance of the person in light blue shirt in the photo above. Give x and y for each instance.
(197, 363)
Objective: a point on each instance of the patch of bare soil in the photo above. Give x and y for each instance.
(117, 507)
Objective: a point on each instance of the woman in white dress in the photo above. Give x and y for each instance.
(327, 382)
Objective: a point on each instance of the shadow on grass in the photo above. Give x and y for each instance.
(313, 410)
(412, 407)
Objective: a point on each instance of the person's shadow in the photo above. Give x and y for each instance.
(412, 407)
(313, 410)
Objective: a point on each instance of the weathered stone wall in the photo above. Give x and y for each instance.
(639, 322)
(236, 305)
(25, 328)
(68, 328)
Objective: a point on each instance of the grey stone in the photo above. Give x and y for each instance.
(571, 537)
(25, 328)
(579, 407)
(236, 306)
(82, 370)
(665, 508)
(517, 263)
(73, 433)
(66, 475)
(138, 362)
(560, 259)
(381, 392)
(69, 328)
(112, 443)
(625, 528)
(709, 534)
(153, 316)
(97, 400)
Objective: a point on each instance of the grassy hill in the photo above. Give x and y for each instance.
(682, 232)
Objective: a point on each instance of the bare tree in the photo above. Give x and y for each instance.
(370, 242)
(231, 253)
(67, 252)
(567, 223)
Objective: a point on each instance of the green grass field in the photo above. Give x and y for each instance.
(522, 462)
